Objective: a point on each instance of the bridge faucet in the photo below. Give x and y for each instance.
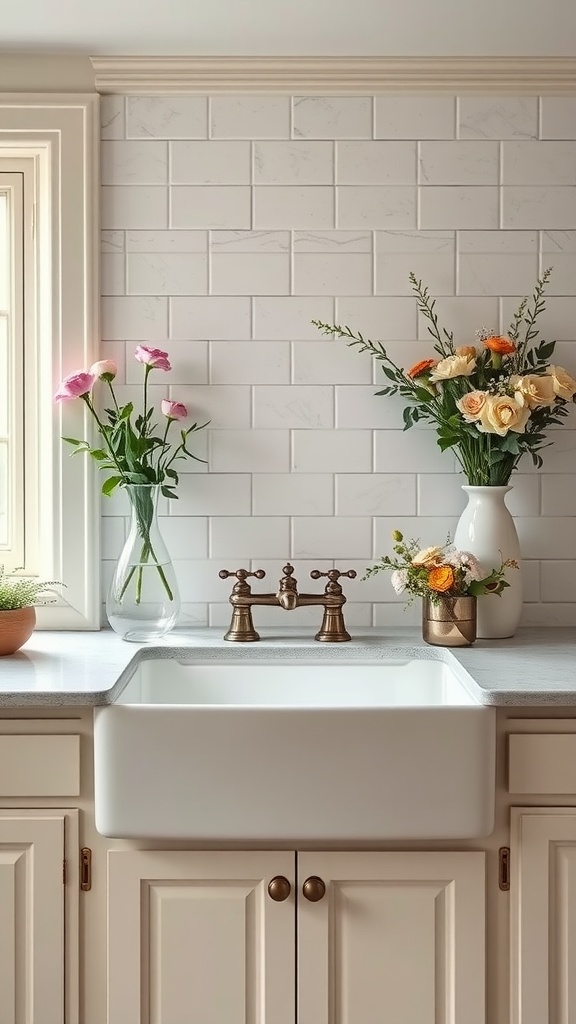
(287, 597)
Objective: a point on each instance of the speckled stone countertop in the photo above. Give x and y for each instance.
(535, 668)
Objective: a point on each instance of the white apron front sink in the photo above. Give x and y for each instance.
(285, 750)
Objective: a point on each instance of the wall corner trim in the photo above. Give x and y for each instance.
(335, 75)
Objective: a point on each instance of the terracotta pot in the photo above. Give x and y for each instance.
(16, 627)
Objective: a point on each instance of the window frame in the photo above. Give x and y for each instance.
(24, 469)
(59, 133)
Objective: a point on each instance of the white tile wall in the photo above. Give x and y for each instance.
(230, 222)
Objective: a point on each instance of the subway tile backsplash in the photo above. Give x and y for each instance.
(230, 222)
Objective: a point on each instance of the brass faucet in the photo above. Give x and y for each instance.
(332, 629)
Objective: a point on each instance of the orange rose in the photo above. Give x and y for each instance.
(422, 367)
(441, 578)
(502, 346)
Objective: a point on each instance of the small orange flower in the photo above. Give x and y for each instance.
(441, 578)
(502, 346)
(422, 367)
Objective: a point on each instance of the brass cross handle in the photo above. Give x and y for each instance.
(241, 574)
(333, 574)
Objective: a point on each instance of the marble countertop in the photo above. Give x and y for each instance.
(535, 668)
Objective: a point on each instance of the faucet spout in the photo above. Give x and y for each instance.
(287, 595)
(287, 599)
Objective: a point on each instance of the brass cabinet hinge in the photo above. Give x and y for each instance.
(504, 868)
(85, 869)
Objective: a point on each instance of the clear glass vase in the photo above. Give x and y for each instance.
(143, 602)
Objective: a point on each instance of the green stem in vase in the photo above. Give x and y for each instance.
(143, 505)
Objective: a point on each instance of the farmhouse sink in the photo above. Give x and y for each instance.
(291, 750)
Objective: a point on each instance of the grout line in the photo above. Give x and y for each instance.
(209, 262)
(501, 187)
(209, 117)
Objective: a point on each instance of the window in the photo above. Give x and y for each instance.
(49, 514)
(18, 477)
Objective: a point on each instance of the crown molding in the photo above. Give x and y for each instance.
(334, 75)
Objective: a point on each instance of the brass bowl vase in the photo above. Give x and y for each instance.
(449, 621)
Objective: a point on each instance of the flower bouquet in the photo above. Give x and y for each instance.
(143, 600)
(490, 402)
(448, 581)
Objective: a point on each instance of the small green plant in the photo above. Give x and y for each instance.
(21, 592)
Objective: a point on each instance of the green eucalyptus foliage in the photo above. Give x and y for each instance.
(486, 459)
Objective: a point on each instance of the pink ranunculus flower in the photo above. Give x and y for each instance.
(173, 410)
(104, 369)
(74, 386)
(155, 358)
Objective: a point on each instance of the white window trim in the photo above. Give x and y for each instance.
(24, 472)
(60, 132)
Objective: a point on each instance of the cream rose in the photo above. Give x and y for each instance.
(471, 405)
(535, 391)
(564, 385)
(502, 413)
(453, 366)
(427, 558)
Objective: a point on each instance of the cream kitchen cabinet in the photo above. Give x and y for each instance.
(543, 915)
(542, 775)
(39, 876)
(196, 937)
(32, 917)
(361, 937)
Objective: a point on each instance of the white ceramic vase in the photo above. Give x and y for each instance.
(486, 529)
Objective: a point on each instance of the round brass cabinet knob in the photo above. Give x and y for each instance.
(279, 888)
(313, 889)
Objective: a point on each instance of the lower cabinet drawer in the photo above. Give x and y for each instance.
(542, 763)
(39, 765)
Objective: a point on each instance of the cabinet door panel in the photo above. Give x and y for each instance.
(31, 920)
(398, 936)
(195, 937)
(543, 915)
